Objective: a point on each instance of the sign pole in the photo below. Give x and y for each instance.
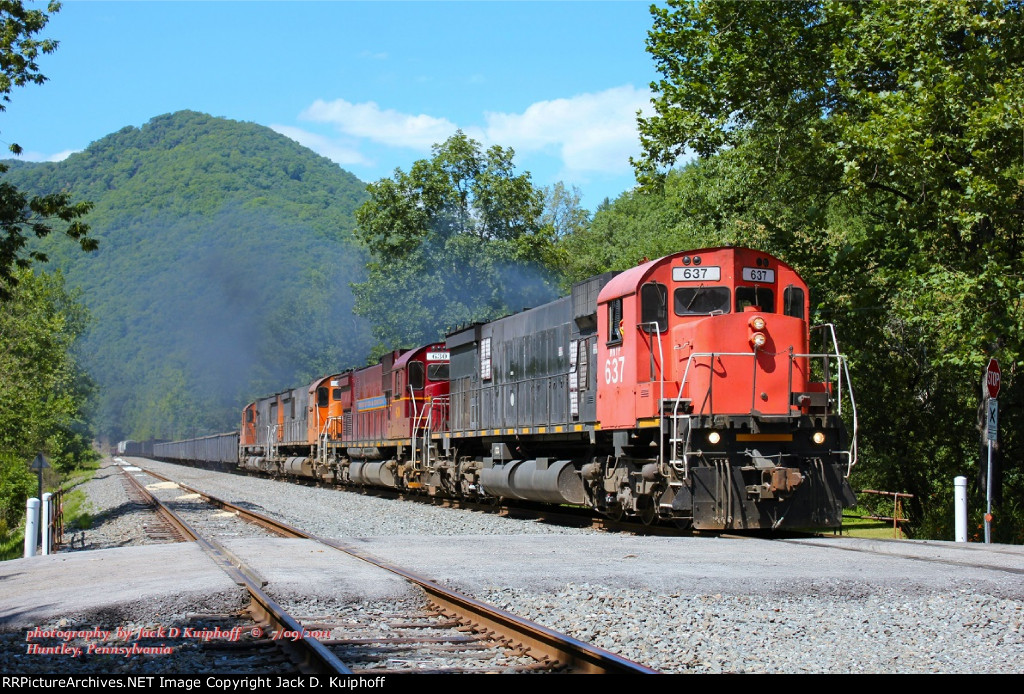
(993, 379)
(988, 497)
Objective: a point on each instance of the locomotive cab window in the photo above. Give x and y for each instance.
(615, 321)
(761, 297)
(321, 396)
(416, 375)
(336, 394)
(701, 301)
(248, 415)
(654, 307)
(793, 302)
(437, 372)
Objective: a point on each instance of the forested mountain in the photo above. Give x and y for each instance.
(223, 270)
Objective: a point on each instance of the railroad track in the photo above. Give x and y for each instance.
(446, 633)
(160, 527)
(308, 655)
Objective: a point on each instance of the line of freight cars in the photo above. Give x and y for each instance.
(684, 389)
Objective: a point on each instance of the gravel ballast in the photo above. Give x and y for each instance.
(701, 605)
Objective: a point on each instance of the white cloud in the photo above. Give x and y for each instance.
(383, 126)
(61, 156)
(337, 152)
(591, 132)
(30, 155)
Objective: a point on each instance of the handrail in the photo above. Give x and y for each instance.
(423, 420)
(842, 361)
(661, 392)
(444, 402)
(845, 363)
(323, 436)
(415, 420)
(271, 440)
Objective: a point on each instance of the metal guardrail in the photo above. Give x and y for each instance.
(897, 518)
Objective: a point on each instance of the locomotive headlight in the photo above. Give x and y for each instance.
(819, 437)
(714, 437)
(758, 340)
(757, 323)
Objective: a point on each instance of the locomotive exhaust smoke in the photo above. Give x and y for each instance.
(228, 320)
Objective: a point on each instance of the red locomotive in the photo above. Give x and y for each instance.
(684, 389)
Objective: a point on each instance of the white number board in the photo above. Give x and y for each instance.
(758, 274)
(696, 274)
(437, 356)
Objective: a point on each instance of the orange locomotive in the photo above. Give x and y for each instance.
(720, 415)
(684, 389)
(353, 426)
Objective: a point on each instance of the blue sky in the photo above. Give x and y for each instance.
(370, 85)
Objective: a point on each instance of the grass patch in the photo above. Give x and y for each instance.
(854, 526)
(77, 511)
(12, 544)
(81, 475)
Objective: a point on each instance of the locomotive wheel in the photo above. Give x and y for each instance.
(648, 514)
(615, 514)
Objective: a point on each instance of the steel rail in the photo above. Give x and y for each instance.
(183, 532)
(309, 655)
(544, 643)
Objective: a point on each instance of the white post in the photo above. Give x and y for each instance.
(988, 497)
(45, 521)
(960, 509)
(31, 526)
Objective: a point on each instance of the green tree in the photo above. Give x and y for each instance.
(22, 215)
(567, 219)
(458, 238)
(878, 146)
(43, 393)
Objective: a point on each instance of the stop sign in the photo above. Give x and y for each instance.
(992, 378)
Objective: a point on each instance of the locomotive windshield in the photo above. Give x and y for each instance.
(701, 301)
(761, 297)
(437, 372)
